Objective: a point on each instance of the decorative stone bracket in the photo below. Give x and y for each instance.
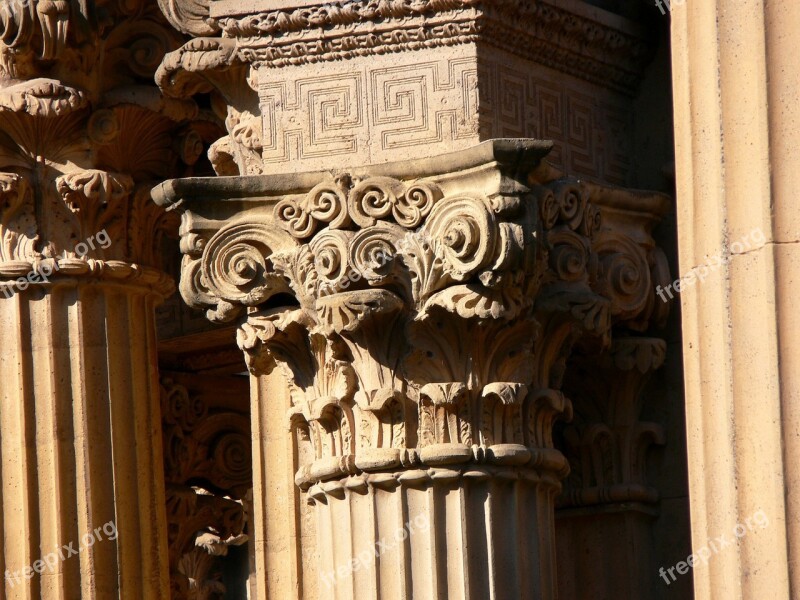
(422, 313)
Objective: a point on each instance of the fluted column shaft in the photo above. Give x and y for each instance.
(438, 533)
(81, 459)
(84, 134)
(737, 123)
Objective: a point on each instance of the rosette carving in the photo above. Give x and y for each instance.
(325, 204)
(364, 203)
(382, 198)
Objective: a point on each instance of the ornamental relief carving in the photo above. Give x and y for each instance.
(428, 321)
(296, 86)
(208, 472)
(608, 443)
(84, 133)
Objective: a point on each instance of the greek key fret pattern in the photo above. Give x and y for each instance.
(373, 110)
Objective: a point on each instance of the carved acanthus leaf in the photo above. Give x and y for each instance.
(208, 470)
(608, 443)
(42, 98)
(98, 199)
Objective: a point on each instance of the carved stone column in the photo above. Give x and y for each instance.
(208, 476)
(83, 134)
(607, 495)
(422, 313)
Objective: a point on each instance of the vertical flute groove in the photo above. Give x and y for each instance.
(78, 422)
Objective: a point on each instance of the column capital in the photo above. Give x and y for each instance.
(422, 311)
(85, 134)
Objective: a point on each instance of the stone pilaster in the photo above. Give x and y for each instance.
(735, 71)
(422, 314)
(83, 134)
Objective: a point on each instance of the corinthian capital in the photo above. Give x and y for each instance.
(421, 311)
(84, 134)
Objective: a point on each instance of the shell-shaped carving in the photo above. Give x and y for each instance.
(348, 311)
(189, 16)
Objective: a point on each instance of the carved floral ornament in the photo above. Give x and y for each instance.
(474, 280)
(208, 474)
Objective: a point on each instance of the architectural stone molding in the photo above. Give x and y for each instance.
(83, 139)
(739, 335)
(573, 39)
(607, 442)
(84, 134)
(364, 82)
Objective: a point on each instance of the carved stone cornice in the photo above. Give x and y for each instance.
(422, 312)
(364, 82)
(590, 44)
(85, 134)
